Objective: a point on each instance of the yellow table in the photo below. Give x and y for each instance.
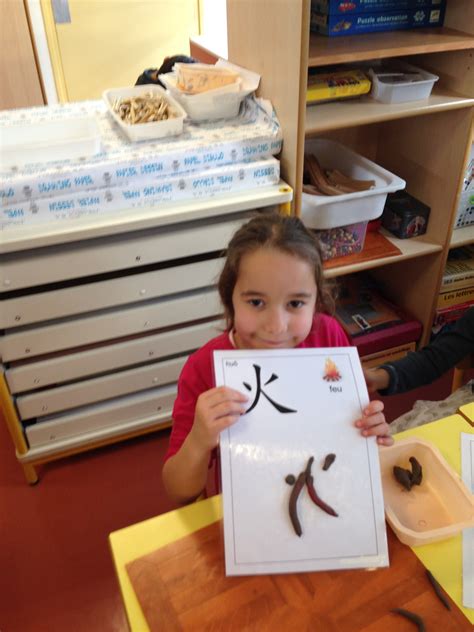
(467, 411)
(443, 558)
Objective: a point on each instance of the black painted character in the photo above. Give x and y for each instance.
(272, 378)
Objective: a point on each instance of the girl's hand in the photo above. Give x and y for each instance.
(373, 423)
(216, 409)
(377, 379)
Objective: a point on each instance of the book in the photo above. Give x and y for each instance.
(459, 269)
(387, 355)
(456, 296)
(448, 316)
(371, 322)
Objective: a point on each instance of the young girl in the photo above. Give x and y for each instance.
(273, 292)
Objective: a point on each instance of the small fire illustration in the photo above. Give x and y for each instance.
(331, 372)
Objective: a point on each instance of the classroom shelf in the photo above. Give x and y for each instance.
(330, 116)
(462, 236)
(410, 249)
(424, 142)
(324, 51)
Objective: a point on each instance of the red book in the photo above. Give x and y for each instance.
(371, 322)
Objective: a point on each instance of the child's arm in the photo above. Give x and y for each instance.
(373, 423)
(185, 473)
(377, 379)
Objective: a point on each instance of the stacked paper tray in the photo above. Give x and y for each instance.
(139, 193)
(254, 134)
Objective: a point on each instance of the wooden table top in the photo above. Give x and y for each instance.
(172, 576)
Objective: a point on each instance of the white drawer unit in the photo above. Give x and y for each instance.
(96, 322)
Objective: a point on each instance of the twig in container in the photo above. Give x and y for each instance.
(438, 590)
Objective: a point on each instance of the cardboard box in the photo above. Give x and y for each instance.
(142, 193)
(345, 7)
(254, 134)
(359, 23)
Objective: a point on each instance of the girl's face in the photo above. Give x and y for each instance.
(274, 300)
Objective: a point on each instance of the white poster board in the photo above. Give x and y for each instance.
(467, 467)
(323, 392)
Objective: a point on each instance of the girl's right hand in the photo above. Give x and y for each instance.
(216, 410)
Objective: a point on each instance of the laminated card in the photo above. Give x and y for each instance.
(302, 404)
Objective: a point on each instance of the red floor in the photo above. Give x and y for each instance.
(56, 571)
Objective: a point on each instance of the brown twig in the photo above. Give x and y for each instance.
(411, 616)
(438, 590)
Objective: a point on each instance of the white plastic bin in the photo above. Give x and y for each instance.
(151, 130)
(397, 91)
(218, 103)
(329, 211)
(49, 141)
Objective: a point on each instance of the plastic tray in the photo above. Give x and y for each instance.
(146, 131)
(215, 104)
(437, 509)
(330, 211)
(398, 91)
(49, 141)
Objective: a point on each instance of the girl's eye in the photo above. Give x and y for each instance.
(255, 302)
(296, 304)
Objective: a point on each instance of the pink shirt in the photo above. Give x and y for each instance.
(197, 375)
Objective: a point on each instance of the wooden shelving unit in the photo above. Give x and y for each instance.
(462, 236)
(324, 51)
(425, 142)
(331, 116)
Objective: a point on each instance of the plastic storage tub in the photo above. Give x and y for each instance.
(49, 141)
(342, 241)
(329, 211)
(391, 87)
(218, 103)
(437, 509)
(151, 130)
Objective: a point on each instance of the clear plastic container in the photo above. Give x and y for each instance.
(49, 141)
(343, 240)
(329, 211)
(393, 87)
(437, 509)
(150, 130)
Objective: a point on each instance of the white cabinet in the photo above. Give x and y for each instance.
(97, 321)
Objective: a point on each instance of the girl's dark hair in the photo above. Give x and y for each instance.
(284, 233)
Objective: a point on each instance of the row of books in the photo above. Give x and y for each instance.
(456, 294)
(381, 330)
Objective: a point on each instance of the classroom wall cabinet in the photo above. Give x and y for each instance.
(424, 142)
(96, 322)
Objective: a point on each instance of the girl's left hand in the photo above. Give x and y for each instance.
(373, 423)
